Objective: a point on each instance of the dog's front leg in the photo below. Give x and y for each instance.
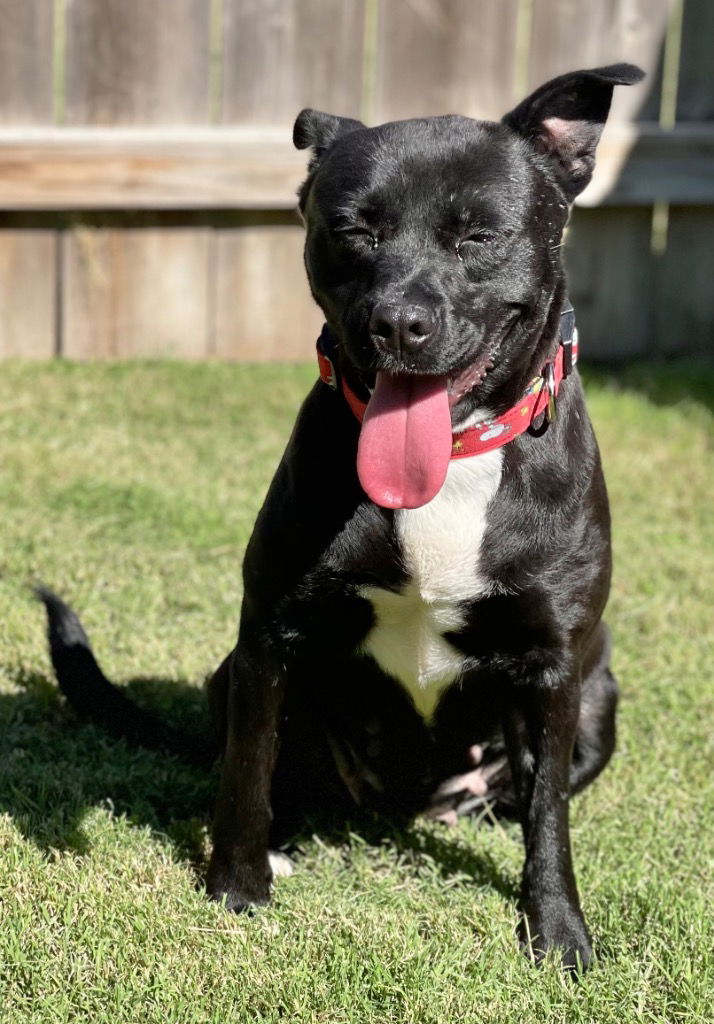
(539, 725)
(239, 870)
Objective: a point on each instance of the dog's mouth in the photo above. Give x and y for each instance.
(460, 384)
(405, 442)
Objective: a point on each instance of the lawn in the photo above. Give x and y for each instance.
(131, 489)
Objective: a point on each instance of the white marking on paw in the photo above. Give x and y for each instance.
(280, 864)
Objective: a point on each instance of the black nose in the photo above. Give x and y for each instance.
(402, 329)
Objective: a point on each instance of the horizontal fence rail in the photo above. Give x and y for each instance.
(148, 179)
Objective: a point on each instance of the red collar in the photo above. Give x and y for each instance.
(538, 400)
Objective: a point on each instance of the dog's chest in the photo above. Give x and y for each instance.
(440, 546)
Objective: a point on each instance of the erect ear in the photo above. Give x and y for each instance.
(564, 120)
(317, 130)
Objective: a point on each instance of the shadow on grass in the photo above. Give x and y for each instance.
(451, 857)
(54, 769)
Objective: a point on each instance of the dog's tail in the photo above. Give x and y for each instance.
(94, 697)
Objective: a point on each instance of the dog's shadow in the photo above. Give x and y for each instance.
(55, 770)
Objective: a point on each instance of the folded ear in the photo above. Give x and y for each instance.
(317, 130)
(564, 120)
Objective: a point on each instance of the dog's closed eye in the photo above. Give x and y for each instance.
(474, 240)
(360, 233)
(482, 237)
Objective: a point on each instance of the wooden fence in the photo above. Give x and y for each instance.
(147, 178)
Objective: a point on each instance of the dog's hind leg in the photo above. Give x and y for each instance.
(487, 783)
(489, 780)
(308, 795)
(595, 737)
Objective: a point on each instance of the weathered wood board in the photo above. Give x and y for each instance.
(259, 169)
(282, 55)
(264, 310)
(684, 321)
(154, 217)
(149, 169)
(26, 64)
(28, 292)
(137, 62)
(129, 290)
(28, 265)
(445, 57)
(611, 281)
(135, 291)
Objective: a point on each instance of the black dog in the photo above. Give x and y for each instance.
(423, 590)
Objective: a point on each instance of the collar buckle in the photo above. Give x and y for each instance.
(567, 346)
(548, 414)
(567, 337)
(550, 387)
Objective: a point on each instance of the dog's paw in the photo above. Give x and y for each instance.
(561, 931)
(280, 864)
(466, 793)
(238, 886)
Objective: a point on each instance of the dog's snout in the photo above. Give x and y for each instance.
(401, 328)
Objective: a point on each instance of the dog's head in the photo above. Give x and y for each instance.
(433, 245)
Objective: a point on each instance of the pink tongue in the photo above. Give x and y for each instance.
(405, 442)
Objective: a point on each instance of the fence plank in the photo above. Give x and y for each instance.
(684, 323)
(135, 291)
(264, 307)
(27, 256)
(26, 62)
(27, 293)
(445, 57)
(282, 55)
(227, 168)
(566, 36)
(655, 164)
(232, 284)
(137, 62)
(93, 168)
(611, 282)
(695, 95)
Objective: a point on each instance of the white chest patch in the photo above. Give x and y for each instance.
(440, 546)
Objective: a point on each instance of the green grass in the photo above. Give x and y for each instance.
(132, 490)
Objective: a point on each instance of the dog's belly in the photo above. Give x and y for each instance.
(440, 545)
